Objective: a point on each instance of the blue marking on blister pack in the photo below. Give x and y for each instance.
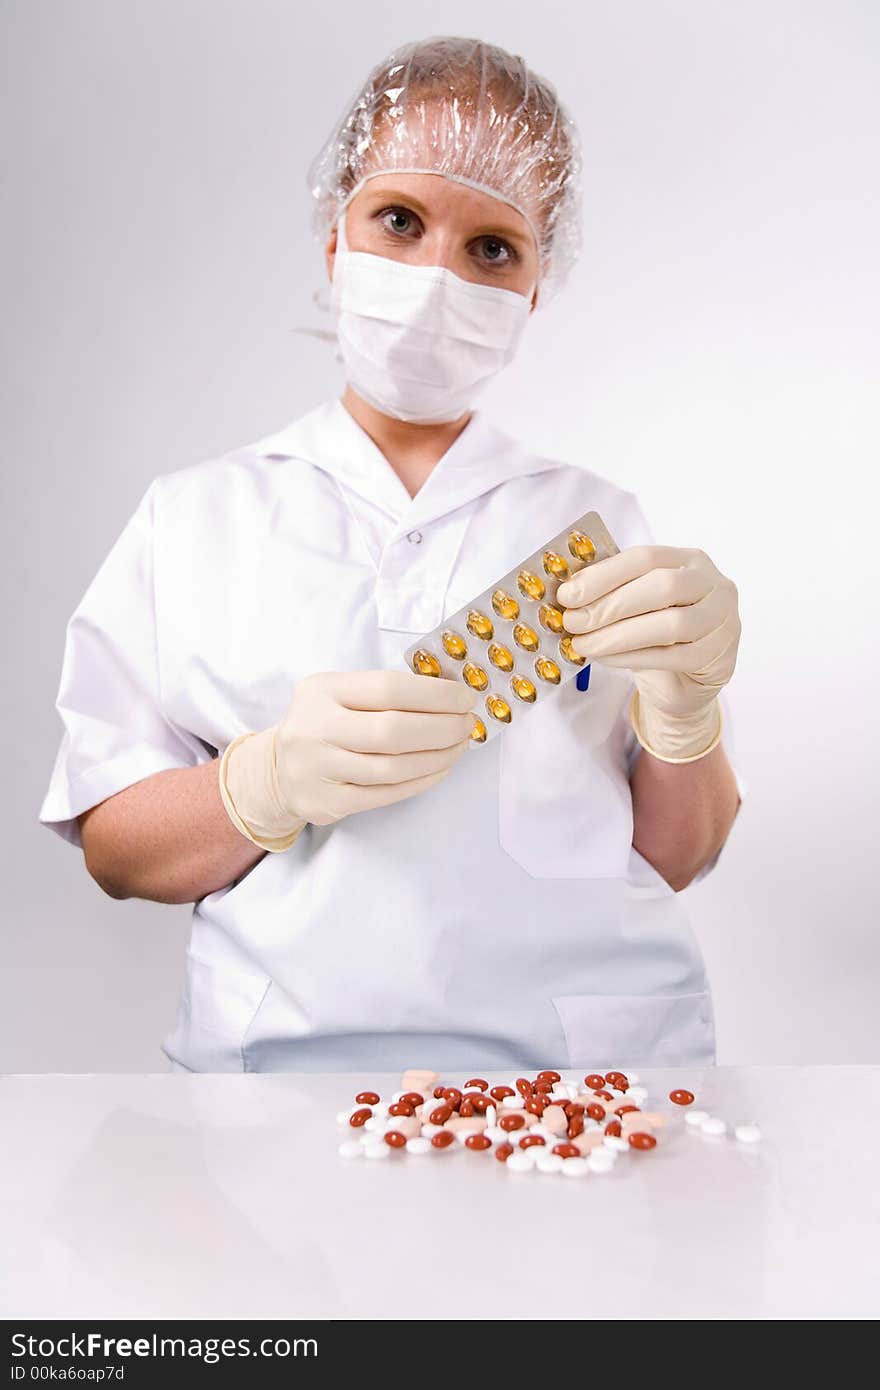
(583, 679)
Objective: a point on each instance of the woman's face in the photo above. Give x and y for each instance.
(426, 219)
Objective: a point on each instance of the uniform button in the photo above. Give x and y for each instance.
(415, 537)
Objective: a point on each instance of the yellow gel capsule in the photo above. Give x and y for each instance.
(454, 646)
(581, 546)
(501, 657)
(505, 604)
(478, 732)
(525, 637)
(555, 565)
(568, 651)
(498, 708)
(480, 625)
(530, 584)
(424, 664)
(475, 675)
(550, 617)
(523, 688)
(548, 670)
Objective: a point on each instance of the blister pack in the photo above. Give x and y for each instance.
(509, 643)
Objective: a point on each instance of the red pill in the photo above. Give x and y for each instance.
(400, 1107)
(575, 1126)
(477, 1141)
(452, 1096)
(593, 1080)
(596, 1112)
(478, 1081)
(440, 1115)
(543, 1088)
(681, 1097)
(510, 1122)
(503, 1152)
(573, 1108)
(481, 1104)
(626, 1109)
(367, 1098)
(466, 1109)
(439, 1092)
(567, 1150)
(413, 1098)
(536, 1105)
(394, 1139)
(529, 1141)
(642, 1141)
(616, 1078)
(501, 1092)
(360, 1117)
(549, 1076)
(603, 1095)
(613, 1128)
(524, 1087)
(443, 1139)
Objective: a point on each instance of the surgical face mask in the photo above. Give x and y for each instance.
(418, 342)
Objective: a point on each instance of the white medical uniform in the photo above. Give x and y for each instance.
(501, 919)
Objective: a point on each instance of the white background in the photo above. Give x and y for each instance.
(716, 352)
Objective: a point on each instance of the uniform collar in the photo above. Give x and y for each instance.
(481, 458)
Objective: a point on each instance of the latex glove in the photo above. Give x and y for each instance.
(668, 615)
(350, 741)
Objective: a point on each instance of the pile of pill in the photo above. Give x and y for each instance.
(509, 643)
(547, 1124)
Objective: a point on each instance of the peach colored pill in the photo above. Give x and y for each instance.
(465, 1125)
(585, 1143)
(555, 1119)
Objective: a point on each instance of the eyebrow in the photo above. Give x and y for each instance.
(387, 193)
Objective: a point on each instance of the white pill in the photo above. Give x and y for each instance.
(376, 1123)
(381, 1108)
(496, 1134)
(519, 1162)
(600, 1160)
(343, 1117)
(513, 1102)
(571, 1091)
(634, 1078)
(637, 1094)
(351, 1148)
(575, 1167)
(549, 1163)
(544, 1132)
(713, 1126)
(695, 1117)
(748, 1134)
(430, 1130)
(491, 1115)
(616, 1143)
(398, 1095)
(418, 1146)
(377, 1150)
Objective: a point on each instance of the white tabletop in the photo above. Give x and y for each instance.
(178, 1196)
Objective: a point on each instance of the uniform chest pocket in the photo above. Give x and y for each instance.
(565, 808)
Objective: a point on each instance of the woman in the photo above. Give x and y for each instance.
(241, 733)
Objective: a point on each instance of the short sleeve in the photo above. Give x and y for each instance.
(115, 730)
(637, 531)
